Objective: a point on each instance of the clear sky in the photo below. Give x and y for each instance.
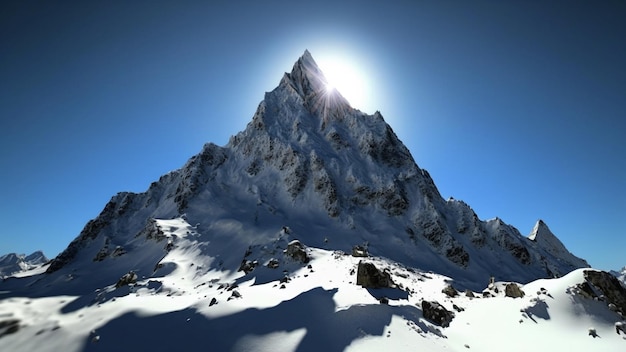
(517, 108)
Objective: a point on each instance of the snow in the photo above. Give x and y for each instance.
(13, 264)
(194, 251)
(320, 307)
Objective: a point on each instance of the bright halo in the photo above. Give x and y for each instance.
(346, 78)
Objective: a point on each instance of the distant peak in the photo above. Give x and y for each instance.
(540, 230)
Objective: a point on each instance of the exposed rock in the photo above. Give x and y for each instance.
(593, 333)
(247, 266)
(213, 301)
(458, 255)
(127, 279)
(102, 253)
(369, 276)
(620, 327)
(9, 327)
(610, 287)
(273, 263)
(436, 313)
(585, 290)
(234, 295)
(450, 291)
(118, 251)
(296, 250)
(469, 293)
(513, 290)
(359, 251)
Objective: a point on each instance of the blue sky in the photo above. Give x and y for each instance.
(517, 108)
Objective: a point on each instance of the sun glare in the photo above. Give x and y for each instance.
(346, 78)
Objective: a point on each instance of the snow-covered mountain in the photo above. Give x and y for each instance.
(620, 275)
(334, 175)
(13, 263)
(251, 243)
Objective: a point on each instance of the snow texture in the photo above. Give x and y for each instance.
(248, 244)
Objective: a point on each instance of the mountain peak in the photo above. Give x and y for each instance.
(335, 176)
(307, 80)
(545, 239)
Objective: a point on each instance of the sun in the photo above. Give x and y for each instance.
(346, 78)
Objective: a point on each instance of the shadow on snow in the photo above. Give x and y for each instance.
(313, 310)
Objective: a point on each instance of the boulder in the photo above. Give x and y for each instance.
(296, 250)
(128, 278)
(513, 290)
(369, 276)
(359, 251)
(450, 291)
(436, 313)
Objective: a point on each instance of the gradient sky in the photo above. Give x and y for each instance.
(517, 108)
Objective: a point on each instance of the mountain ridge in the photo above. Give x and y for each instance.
(308, 161)
(13, 263)
(312, 229)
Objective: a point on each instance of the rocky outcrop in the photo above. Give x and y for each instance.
(613, 292)
(296, 251)
(127, 279)
(359, 251)
(436, 313)
(369, 276)
(513, 290)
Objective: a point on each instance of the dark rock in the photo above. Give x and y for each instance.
(359, 251)
(296, 250)
(610, 287)
(102, 254)
(469, 293)
(620, 327)
(369, 276)
(593, 333)
(247, 266)
(513, 290)
(213, 302)
(458, 255)
(9, 327)
(436, 313)
(273, 263)
(127, 279)
(450, 291)
(118, 251)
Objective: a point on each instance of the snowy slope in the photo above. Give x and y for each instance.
(13, 263)
(307, 167)
(189, 305)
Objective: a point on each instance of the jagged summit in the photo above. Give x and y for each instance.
(308, 81)
(308, 166)
(546, 240)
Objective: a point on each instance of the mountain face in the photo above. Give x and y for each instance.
(13, 263)
(308, 166)
(620, 275)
